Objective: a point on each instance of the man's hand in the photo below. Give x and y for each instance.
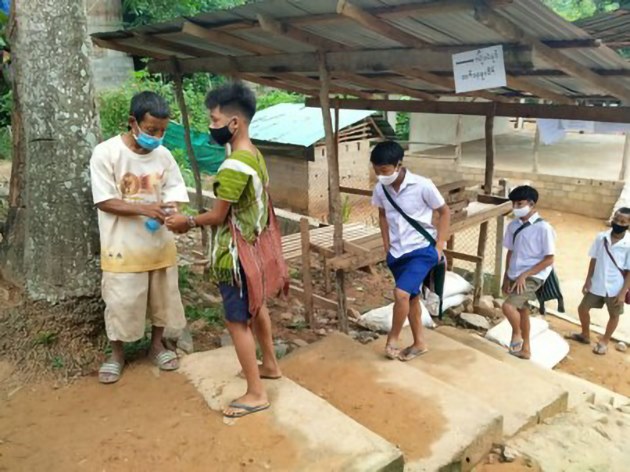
(157, 211)
(587, 287)
(520, 285)
(178, 223)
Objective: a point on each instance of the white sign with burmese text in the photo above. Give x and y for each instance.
(480, 69)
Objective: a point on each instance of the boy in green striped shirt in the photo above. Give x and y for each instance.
(240, 189)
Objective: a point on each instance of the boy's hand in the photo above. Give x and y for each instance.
(506, 286)
(154, 210)
(520, 285)
(587, 287)
(621, 298)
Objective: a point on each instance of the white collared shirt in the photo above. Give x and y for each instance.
(418, 197)
(530, 247)
(607, 280)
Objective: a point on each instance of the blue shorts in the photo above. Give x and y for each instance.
(411, 269)
(235, 301)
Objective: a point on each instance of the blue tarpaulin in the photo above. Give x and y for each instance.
(5, 6)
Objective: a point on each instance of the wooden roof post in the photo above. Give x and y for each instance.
(181, 102)
(624, 175)
(334, 194)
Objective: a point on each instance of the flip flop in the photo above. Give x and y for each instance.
(391, 352)
(516, 346)
(263, 377)
(578, 337)
(112, 369)
(163, 359)
(600, 349)
(247, 409)
(519, 354)
(410, 353)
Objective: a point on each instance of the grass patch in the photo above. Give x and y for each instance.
(212, 315)
(46, 338)
(184, 276)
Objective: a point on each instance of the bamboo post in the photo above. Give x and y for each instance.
(181, 102)
(536, 150)
(307, 280)
(458, 140)
(489, 177)
(625, 168)
(498, 256)
(334, 194)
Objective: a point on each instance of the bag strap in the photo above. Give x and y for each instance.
(623, 272)
(525, 225)
(414, 224)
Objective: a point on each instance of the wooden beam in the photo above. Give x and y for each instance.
(555, 44)
(363, 61)
(227, 39)
(540, 92)
(624, 175)
(307, 280)
(314, 84)
(282, 30)
(319, 300)
(562, 112)
(477, 218)
(384, 85)
(176, 47)
(512, 32)
(489, 138)
(273, 82)
(498, 255)
(379, 26)
(462, 256)
(133, 50)
(536, 150)
(334, 195)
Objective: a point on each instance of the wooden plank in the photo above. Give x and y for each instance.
(541, 92)
(498, 255)
(285, 29)
(133, 50)
(191, 29)
(563, 112)
(625, 160)
(358, 62)
(489, 132)
(491, 199)
(450, 186)
(478, 218)
(458, 206)
(512, 32)
(351, 262)
(462, 256)
(536, 151)
(317, 299)
(384, 85)
(355, 249)
(307, 280)
(356, 191)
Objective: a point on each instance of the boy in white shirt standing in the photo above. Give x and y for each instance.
(607, 281)
(406, 203)
(135, 184)
(530, 242)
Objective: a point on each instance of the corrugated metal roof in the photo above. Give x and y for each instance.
(613, 27)
(448, 28)
(294, 123)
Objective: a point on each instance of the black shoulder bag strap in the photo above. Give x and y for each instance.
(525, 225)
(415, 224)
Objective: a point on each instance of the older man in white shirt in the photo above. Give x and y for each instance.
(530, 242)
(607, 281)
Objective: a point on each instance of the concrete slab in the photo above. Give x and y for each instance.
(322, 437)
(580, 390)
(491, 381)
(437, 426)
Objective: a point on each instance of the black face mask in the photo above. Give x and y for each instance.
(222, 136)
(618, 229)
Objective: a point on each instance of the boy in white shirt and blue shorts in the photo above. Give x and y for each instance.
(406, 203)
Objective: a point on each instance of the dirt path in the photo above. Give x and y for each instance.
(145, 423)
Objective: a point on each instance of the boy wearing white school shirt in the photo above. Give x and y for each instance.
(131, 175)
(414, 246)
(607, 281)
(530, 242)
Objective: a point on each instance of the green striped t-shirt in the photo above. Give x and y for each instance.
(242, 181)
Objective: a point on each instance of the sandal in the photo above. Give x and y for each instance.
(391, 352)
(578, 337)
(164, 360)
(600, 349)
(410, 353)
(516, 346)
(246, 409)
(110, 372)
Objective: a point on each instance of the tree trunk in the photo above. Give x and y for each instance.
(50, 245)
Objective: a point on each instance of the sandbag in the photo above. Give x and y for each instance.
(380, 319)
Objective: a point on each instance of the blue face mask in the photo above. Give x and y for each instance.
(148, 142)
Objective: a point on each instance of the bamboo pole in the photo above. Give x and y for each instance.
(181, 102)
(536, 150)
(625, 168)
(334, 194)
(307, 280)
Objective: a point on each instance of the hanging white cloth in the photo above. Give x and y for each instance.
(550, 131)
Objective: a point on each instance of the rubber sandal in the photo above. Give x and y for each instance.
(247, 409)
(578, 337)
(410, 353)
(392, 352)
(516, 346)
(600, 349)
(112, 369)
(163, 358)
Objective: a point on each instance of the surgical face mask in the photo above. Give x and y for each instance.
(618, 229)
(388, 179)
(146, 141)
(222, 135)
(522, 212)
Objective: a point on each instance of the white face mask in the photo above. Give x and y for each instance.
(388, 179)
(522, 212)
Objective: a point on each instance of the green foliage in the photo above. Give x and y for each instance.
(184, 167)
(573, 10)
(6, 143)
(277, 96)
(402, 126)
(46, 338)
(212, 315)
(346, 210)
(143, 12)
